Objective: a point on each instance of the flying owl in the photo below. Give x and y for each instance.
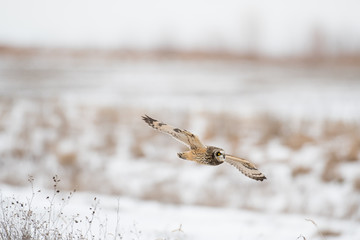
(203, 154)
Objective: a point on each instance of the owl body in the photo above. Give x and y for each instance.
(203, 154)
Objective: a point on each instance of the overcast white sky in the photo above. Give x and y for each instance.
(276, 28)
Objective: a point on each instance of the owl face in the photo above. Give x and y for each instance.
(214, 155)
(218, 154)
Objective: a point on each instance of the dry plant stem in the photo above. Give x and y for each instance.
(317, 228)
(117, 221)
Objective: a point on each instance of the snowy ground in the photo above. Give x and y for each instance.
(79, 118)
(150, 220)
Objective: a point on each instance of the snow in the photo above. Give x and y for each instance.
(151, 220)
(81, 119)
(237, 87)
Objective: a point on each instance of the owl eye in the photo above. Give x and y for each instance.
(218, 154)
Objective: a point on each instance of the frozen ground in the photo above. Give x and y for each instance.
(245, 87)
(135, 219)
(79, 118)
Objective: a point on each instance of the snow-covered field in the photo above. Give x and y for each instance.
(80, 119)
(128, 218)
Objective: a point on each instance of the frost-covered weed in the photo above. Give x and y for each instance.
(22, 220)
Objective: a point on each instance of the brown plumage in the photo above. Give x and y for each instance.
(204, 154)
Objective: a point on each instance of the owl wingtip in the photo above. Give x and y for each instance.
(148, 120)
(145, 116)
(262, 178)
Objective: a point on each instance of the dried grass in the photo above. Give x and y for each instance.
(137, 150)
(330, 170)
(298, 171)
(269, 128)
(107, 116)
(330, 233)
(356, 184)
(67, 159)
(333, 129)
(110, 126)
(353, 152)
(297, 140)
(21, 220)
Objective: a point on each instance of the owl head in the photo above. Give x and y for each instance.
(216, 154)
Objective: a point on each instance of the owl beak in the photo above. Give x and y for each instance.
(223, 156)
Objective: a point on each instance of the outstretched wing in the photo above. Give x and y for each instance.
(182, 135)
(246, 167)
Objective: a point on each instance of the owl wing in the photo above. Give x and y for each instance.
(181, 135)
(246, 167)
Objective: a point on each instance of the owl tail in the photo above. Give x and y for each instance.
(181, 155)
